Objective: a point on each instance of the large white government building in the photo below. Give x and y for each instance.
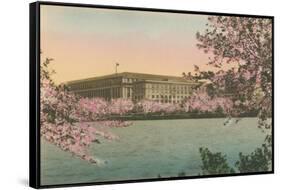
(135, 86)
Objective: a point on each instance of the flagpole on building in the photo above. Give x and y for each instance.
(116, 65)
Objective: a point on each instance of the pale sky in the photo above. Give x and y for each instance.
(87, 42)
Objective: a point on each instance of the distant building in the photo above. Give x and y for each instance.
(135, 86)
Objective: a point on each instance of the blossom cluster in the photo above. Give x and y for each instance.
(150, 106)
(120, 106)
(72, 122)
(240, 60)
(201, 101)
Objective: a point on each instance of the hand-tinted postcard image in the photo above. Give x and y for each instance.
(142, 94)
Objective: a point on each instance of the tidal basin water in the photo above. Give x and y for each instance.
(151, 148)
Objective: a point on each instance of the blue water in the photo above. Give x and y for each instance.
(148, 149)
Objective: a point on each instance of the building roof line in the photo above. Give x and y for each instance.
(128, 74)
(173, 82)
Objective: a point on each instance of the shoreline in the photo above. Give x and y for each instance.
(133, 117)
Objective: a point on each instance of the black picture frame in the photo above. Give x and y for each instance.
(34, 91)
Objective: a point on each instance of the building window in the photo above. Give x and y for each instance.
(152, 96)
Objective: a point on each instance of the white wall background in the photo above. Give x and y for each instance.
(14, 73)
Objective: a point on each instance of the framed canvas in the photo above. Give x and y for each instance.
(126, 94)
